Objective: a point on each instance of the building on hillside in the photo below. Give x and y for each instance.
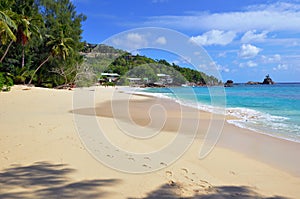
(136, 81)
(109, 77)
(164, 79)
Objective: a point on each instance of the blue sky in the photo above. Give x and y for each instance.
(246, 39)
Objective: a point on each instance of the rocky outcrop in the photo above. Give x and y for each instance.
(253, 83)
(268, 80)
(229, 83)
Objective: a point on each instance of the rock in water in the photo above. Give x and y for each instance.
(229, 83)
(268, 80)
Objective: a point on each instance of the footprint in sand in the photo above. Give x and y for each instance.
(145, 165)
(169, 173)
(185, 170)
(204, 184)
(172, 183)
(187, 177)
(232, 172)
(131, 158)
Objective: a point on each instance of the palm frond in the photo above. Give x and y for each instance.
(7, 20)
(5, 29)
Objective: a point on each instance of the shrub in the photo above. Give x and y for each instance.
(5, 82)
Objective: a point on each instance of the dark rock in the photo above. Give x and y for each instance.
(154, 85)
(253, 83)
(268, 80)
(229, 83)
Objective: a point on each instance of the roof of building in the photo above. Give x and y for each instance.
(110, 74)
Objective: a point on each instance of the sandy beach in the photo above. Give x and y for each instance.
(43, 153)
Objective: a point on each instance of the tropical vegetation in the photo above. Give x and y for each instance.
(40, 42)
(106, 59)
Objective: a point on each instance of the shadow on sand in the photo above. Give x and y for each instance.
(222, 192)
(46, 180)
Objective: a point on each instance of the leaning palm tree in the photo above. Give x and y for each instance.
(60, 47)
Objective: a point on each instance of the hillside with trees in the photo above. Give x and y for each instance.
(106, 59)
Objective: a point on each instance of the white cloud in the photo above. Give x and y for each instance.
(263, 17)
(281, 67)
(214, 37)
(215, 66)
(278, 6)
(135, 52)
(248, 51)
(222, 54)
(250, 64)
(271, 59)
(182, 60)
(252, 36)
(130, 41)
(161, 40)
(223, 69)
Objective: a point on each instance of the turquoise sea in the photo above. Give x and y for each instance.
(268, 109)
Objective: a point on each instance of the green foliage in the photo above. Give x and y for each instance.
(20, 75)
(5, 81)
(109, 84)
(41, 41)
(104, 58)
(7, 24)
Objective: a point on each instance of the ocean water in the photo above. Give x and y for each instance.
(268, 109)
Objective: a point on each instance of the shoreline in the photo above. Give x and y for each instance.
(279, 145)
(39, 141)
(229, 117)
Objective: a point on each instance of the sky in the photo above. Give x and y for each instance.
(245, 39)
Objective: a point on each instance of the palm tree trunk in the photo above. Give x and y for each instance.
(23, 57)
(6, 51)
(38, 68)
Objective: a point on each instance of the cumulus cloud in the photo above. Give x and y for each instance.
(212, 66)
(252, 36)
(248, 51)
(223, 69)
(250, 64)
(280, 67)
(214, 37)
(269, 17)
(161, 40)
(130, 41)
(271, 59)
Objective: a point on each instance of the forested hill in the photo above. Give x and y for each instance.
(103, 58)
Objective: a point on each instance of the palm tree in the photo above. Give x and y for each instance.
(60, 47)
(25, 29)
(7, 28)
